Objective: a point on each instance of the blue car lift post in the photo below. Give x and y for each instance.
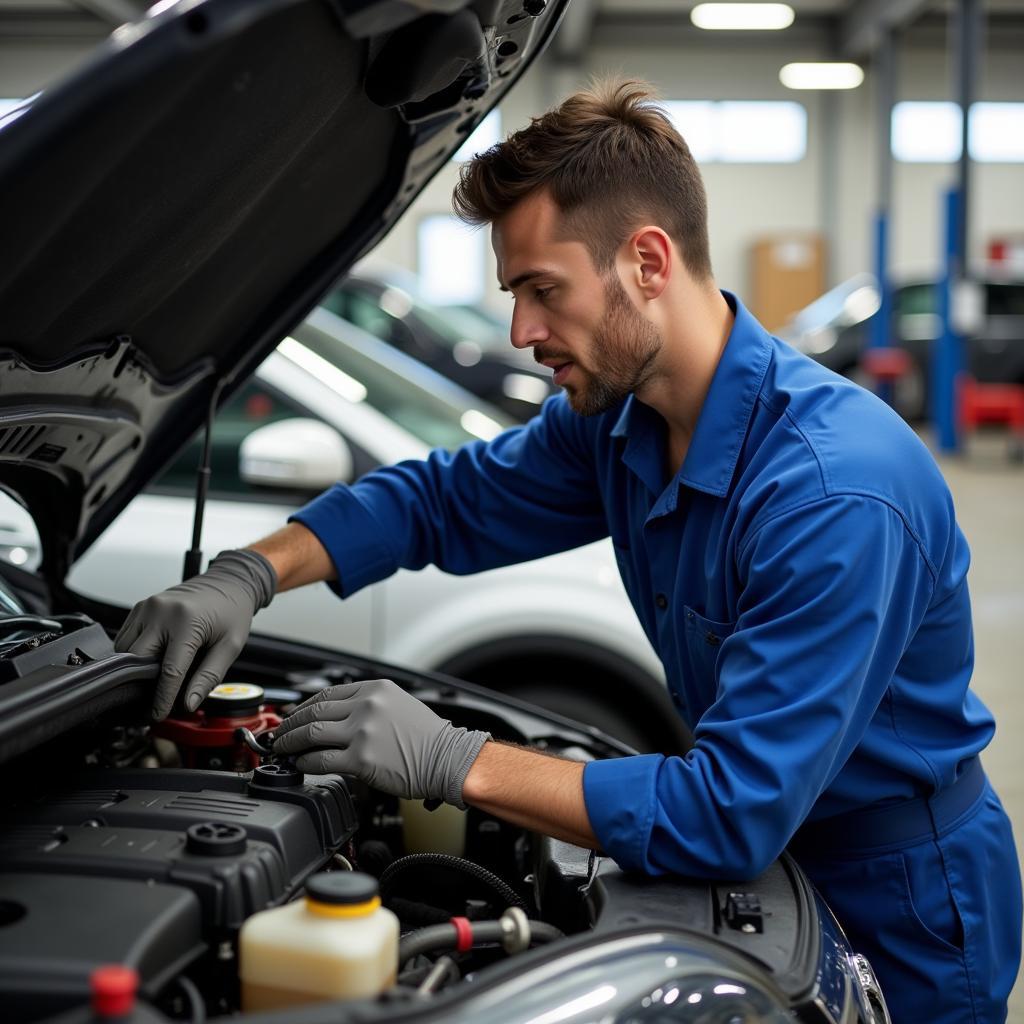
(948, 351)
(881, 322)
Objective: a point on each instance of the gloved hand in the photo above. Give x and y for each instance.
(211, 611)
(384, 736)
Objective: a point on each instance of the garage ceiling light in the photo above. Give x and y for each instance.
(759, 17)
(833, 75)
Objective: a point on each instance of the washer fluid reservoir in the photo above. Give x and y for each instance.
(337, 943)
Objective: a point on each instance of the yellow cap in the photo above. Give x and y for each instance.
(342, 909)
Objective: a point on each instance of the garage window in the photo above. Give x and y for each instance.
(486, 134)
(929, 132)
(450, 260)
(741, 131)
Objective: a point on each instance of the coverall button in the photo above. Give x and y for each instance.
(661, 601)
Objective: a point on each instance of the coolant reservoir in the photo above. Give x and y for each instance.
(439, 831)
(337, 943)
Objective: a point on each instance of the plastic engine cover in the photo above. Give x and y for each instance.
(149, 868)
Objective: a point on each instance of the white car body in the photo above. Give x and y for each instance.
(574, 600)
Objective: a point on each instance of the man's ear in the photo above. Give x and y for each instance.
(651, 259)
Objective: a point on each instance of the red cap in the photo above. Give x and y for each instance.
(113, 990)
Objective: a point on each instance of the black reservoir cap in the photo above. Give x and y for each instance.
(342, 888)
(277, 775)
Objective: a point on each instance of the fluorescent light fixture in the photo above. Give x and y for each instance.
(757, 17)
(830, 75)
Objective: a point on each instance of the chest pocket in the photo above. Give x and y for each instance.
(704, 639)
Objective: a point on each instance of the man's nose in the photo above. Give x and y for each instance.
(527, 328)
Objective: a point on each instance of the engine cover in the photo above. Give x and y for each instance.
(150, 868)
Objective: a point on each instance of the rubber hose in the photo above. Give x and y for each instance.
(413, 914)
(445, 937)
(505, 893)
(541, 931)
(195, 1000)
(17, 623)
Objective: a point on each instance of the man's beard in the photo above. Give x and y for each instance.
(622, 355)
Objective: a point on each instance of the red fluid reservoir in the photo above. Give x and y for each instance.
(206, 737)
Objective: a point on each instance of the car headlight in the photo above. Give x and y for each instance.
(649, 977)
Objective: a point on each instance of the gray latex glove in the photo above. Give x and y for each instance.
(384, 736)
(211, 612)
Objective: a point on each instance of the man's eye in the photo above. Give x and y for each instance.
(542, 293)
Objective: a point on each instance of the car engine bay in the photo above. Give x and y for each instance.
(149, 845)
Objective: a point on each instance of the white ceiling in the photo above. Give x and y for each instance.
(641, 7)
(64, 18)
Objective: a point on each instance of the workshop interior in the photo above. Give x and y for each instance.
(231, 276)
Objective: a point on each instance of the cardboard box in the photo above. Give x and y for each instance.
(788, 274)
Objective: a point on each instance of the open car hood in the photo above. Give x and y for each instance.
(173, 208)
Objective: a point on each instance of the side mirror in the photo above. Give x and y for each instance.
(295, 455)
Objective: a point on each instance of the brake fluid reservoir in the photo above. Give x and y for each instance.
(337, 943)
(206, 737)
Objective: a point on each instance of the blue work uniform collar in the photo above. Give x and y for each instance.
(721, 426)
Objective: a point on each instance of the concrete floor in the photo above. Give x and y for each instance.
(988, 491)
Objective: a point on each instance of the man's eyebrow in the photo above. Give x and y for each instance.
(526, 275)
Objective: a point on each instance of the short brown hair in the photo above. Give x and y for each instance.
(611, 161)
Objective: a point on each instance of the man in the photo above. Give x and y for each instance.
(789, 546)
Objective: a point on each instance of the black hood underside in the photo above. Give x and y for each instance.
(176, 206)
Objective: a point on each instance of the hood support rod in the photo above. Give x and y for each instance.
(194, 556)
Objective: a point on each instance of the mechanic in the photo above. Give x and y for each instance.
(788, 543)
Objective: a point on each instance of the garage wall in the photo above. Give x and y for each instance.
(746, 201)
(997, 190)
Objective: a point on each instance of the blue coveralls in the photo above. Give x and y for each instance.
(803, 580)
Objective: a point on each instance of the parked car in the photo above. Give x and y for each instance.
(136, 198)
(333, 402)
(460, 342)
(835, 330)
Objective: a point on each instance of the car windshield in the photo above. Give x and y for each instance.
(440, 415)
(457, 323)
(449, 324)
(848, 303)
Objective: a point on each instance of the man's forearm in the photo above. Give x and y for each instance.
(531, 789)
(297, 556)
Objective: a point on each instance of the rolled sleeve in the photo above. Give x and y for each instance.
(620, 797)
(351, 536)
